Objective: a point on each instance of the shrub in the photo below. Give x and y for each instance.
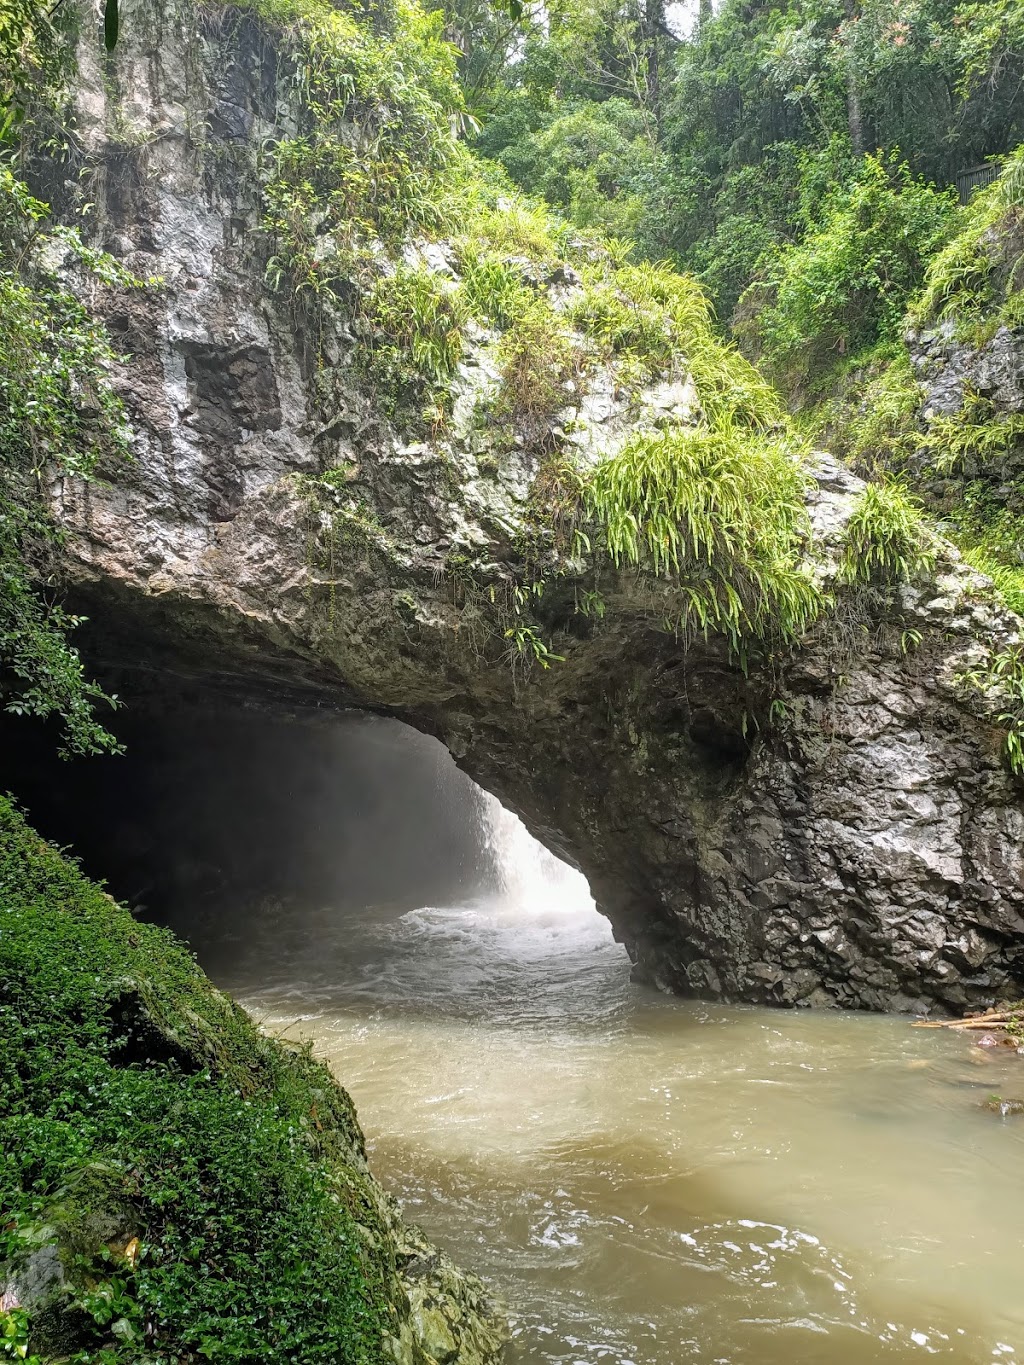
(846, 286)
(887, 538)
(977, 270)
(874, 421)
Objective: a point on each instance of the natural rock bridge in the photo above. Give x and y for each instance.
(864, 849)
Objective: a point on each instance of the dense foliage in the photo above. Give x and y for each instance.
(199, 1179)
(721, 146)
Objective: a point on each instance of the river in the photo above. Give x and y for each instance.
(648, 1181)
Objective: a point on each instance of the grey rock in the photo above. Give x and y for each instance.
(865, 852)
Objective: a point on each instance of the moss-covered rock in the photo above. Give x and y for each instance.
(174, 1185)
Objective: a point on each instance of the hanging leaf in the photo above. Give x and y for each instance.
(110, 25)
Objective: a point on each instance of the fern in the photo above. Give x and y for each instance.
(720, 515)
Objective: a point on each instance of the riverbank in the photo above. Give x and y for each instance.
(175, 1185)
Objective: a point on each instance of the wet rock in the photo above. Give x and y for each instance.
(866, 851)
(1004, 1108)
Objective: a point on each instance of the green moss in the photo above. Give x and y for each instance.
(138, 1102)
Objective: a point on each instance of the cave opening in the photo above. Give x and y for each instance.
(278, 839)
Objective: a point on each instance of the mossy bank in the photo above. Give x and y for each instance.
(174, 1186)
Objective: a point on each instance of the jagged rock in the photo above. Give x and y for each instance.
(864, 851)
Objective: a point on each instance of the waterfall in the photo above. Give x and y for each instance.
(527, 877)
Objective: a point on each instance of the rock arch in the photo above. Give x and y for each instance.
(865, 850)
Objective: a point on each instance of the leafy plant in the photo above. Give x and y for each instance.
(492, 287)
(1000, 680)
(975, 435)
(874, 420)
(417, 324)
(58, 414)
(720, 515)
(887, 539)
(976, 272)
(527, 647)
(846, 286)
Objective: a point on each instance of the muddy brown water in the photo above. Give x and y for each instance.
(648, 1181)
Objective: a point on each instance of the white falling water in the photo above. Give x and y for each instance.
(529, 946)
(532, 881)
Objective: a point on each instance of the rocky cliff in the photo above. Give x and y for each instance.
(831, 825)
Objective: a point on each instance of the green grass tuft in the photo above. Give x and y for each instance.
(720, 514)
(888, 539)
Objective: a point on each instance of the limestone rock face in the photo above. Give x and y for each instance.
(947, 367)
(862, 849)
(953, 372)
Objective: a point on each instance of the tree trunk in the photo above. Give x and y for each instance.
(854, 115)
(654, 27)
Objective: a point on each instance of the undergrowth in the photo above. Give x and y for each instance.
(200, 1179)
(976, 279)
(887, 538)
(537, 359)
(415, 340)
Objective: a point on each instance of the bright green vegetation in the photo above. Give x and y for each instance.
(537, 358)
(378, 104)
(140, 1103)
(968, 462)
(887, 538)
(720, 513)
(975, 278)
(844, 288)
(730, 490)
(722, 145)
